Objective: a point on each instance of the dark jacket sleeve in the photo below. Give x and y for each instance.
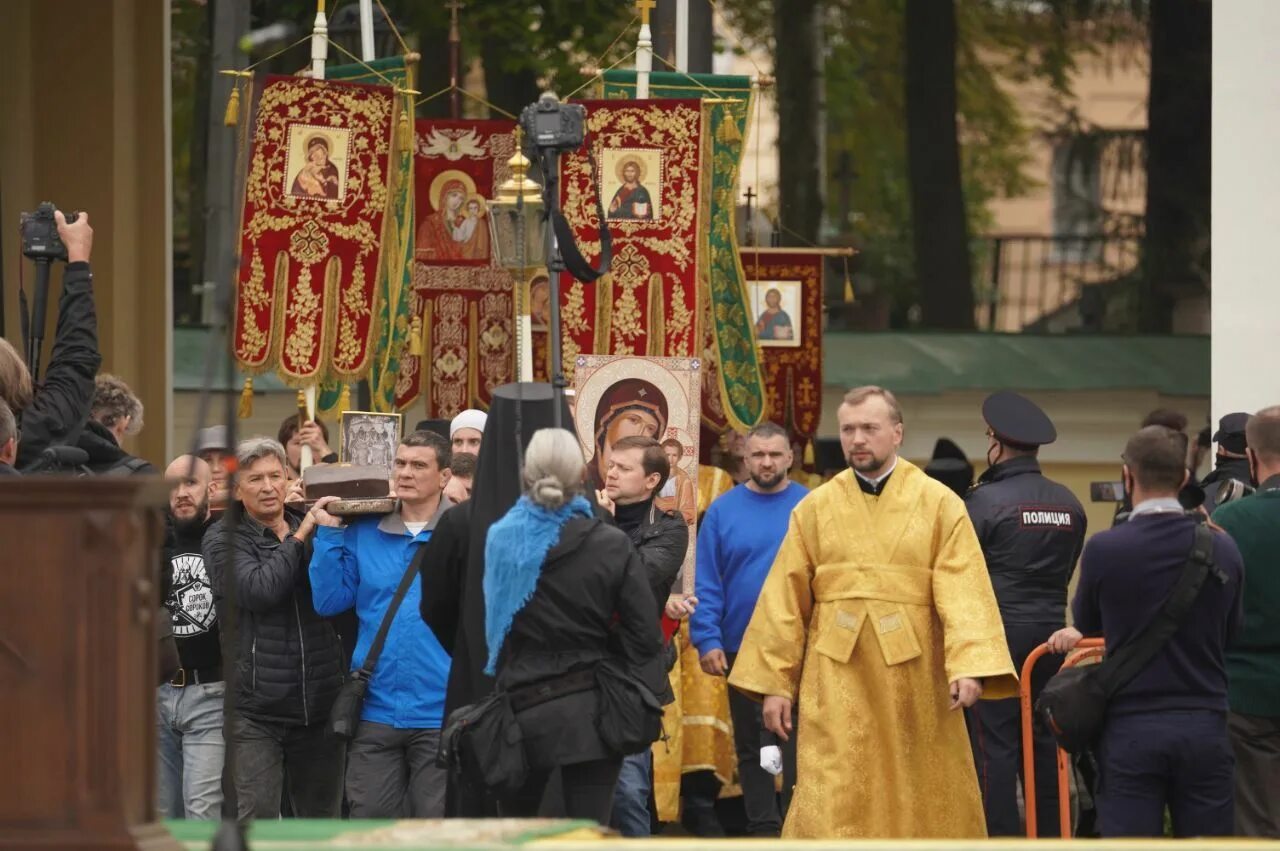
(639, 636)
(61, 404)
(662, 554)
(442, 564)
(264, 578)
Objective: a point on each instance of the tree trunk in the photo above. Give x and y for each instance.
(511, 90)
(1176, 245)
(940, 231)
(797, 58)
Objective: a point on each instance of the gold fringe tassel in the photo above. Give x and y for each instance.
(404, 131)
(848, 283)
(415, 337)
(344, 398)
(246, 400)
(232, 117)
(809, 459)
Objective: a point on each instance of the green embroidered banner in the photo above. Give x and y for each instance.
(395, 278)
(730, 333)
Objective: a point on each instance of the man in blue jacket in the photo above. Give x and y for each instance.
(391, 769)
(739, 537)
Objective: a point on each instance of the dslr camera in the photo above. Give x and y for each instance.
(550, 125)
(40, 240)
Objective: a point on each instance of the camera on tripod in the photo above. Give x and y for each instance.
(40, 240)
(550, 125)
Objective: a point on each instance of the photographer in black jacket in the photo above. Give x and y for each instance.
(54, 411)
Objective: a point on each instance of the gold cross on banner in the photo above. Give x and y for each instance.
(644, 7)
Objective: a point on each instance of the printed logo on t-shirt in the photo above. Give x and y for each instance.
(191, 600)
(1045, 517)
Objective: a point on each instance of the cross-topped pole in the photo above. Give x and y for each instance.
(644, 49)
(751, 223)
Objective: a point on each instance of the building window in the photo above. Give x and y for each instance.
(1077, 202)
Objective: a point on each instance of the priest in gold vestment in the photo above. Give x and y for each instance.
(878, 622)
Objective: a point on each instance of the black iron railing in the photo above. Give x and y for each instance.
(1031, 282)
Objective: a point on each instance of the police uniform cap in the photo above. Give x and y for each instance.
(1017, 421)
(1230, 433)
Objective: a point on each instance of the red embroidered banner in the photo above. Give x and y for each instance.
(463, 299)
(312, 228)
(647, 169)
(784, 289)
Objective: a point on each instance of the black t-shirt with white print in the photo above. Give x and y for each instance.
(189, 598)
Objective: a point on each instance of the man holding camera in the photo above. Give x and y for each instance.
(1164, 743)
(55, 412)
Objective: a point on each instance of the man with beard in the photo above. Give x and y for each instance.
(878, 618)
(737, 542)
(638, 467)
(189, 706)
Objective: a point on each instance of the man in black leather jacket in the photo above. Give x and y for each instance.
(638, 468)
(288, 660)
(54, 411)
(1032, 531)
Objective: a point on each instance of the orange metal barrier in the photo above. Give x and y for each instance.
(1088, 649)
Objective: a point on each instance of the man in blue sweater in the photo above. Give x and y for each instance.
(1165, 740)
(391, 763)
(739, 537)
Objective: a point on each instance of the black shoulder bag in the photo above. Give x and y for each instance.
(344, 718)
(1074, 702)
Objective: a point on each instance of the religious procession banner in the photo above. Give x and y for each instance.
(312, 229)
(733, 384)
(785, 291)
(395, 277)
(645, 160)
(463, 305)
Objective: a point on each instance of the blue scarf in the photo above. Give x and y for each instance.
(514, 551)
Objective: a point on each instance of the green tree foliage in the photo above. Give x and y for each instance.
(867, 176)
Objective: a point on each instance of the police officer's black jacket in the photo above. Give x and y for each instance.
(289, 659)
(61, 404)
(1032, 531)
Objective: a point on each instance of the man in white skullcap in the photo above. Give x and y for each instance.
(466, 430)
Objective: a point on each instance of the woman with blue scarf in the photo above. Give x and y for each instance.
(563, 592)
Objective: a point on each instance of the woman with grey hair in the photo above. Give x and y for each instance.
(564, 592)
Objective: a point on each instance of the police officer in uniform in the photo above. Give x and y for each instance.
(1032, 531)
(1230, 478)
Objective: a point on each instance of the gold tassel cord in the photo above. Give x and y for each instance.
(232, 116)
(848, 283)
(246, 400)
(404, 137)
(344, 398)
(808, 454)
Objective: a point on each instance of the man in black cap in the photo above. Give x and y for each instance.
(1032, 531)
(1230, 476)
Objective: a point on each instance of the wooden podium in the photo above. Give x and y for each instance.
(78, 601)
